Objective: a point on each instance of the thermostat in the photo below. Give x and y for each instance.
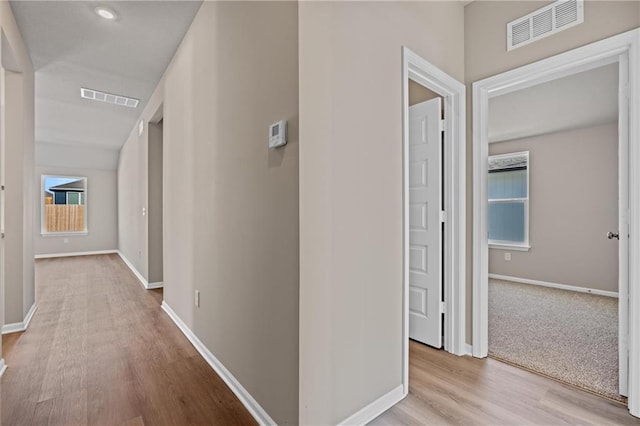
(278, 134)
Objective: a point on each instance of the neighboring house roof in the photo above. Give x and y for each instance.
(48, 194)
(76, 186)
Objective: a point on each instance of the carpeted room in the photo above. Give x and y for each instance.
(553, 190)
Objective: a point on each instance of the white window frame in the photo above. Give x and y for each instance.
(512, 245)
(43, 231)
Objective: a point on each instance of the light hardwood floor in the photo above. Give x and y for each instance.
(100, 351)
(446, 389)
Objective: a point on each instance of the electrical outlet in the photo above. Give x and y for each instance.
(197, 299)
(507, 256)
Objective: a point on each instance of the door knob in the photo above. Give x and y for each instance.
(612, 235)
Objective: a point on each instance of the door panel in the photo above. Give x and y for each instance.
(425, 235)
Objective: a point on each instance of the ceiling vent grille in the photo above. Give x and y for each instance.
(109, 98)
(544, 22)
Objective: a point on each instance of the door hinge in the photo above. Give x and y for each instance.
(442, 125)
(443, 216)
(442, 307)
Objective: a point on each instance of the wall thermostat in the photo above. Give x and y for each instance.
(278, 134)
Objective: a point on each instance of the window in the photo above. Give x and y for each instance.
(64, 209)
(509, 200)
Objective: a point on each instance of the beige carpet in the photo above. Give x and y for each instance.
(569, 336)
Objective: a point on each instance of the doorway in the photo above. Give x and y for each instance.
(622, 50)
(553, 273)
(155, 189)
(433, 212)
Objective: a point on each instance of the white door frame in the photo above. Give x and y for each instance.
(421, 71)
(625, 50)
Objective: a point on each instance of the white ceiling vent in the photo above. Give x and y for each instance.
(544, 22)
(109, 98)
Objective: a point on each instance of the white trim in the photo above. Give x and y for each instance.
(17, 327)
(376, 408)
(138, 275)
(428, 75)
(159, 284)
(555, 285)
(524, 245)
(512, 247)
(243, 395)
(64, 234)
(625, 50)
(73, 254)
(3, 367)
(468, 349)
(43, 209)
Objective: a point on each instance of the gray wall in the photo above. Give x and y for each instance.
(18, 164)
(155, 202)
(486, 55)
(14, 187)
(102, 220)
(572, 204)
(418, 93)
(230, 209)
(351, 192)
(132, 198)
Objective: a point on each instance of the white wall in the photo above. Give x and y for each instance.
(351, 192)
(102, 220)
(75, 155)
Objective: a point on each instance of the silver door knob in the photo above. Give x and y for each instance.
(612, 235)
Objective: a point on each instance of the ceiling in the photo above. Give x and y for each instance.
(72, 47)
(581, 100)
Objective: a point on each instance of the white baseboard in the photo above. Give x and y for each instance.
(245, 397)
(72, 254)
(138, 275)
(158, 284)
(376, 408)
(17, 327)
(468, 349)
(554, 285)
(3, 366)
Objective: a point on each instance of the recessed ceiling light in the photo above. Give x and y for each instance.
(106, 13)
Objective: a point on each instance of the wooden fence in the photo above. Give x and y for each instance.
(64, 218)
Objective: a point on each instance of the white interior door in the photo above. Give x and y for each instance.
(425, 231)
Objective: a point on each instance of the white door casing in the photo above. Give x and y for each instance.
(425, 234)
(623, 225)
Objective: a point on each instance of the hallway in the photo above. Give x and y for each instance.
(100, 350)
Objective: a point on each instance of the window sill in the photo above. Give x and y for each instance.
(64, 234)
(513, 247)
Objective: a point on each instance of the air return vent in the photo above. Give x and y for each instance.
(109, 98)
(544, 22)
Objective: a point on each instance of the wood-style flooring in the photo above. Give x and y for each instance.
(100, 351)
(451, 390)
